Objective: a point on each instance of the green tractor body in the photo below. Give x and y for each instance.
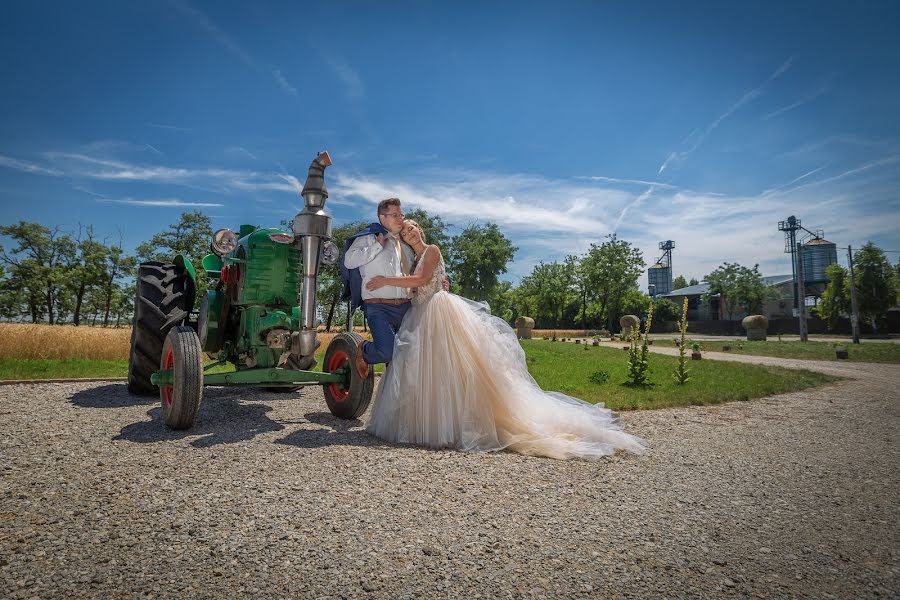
(259, 315)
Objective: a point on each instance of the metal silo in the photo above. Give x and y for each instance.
(817, 254)
(660, 277)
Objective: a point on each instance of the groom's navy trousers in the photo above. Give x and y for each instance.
(384, 321)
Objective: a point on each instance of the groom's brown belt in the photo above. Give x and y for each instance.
(386, 301)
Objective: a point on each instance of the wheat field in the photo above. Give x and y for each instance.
(25, 340)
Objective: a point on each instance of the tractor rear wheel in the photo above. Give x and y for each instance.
(163, 300)
(348, 402)
(182, 355)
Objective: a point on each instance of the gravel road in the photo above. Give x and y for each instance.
(269, 496)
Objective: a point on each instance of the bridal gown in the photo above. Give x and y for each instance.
(458, 379)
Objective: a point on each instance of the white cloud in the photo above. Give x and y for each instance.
(746, 98)
(159, 202)
(283, 82)
(27, 166)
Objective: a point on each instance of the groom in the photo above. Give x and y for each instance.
(378, 250)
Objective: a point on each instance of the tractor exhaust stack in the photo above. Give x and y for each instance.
(312, 227)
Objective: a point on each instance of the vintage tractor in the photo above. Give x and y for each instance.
(252, 317)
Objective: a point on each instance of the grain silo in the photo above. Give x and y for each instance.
(659, 275)
(817, 254)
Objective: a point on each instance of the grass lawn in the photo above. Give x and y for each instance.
(78, 368)
(863, 352)
(568, 368)
(61, 368)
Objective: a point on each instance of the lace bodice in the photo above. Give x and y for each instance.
(428, 289)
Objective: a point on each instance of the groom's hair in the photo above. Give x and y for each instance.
(385, 205)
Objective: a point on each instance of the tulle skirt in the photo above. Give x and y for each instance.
(458, 379)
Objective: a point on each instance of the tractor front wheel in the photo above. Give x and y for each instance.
(163, 299)
(352, 400)
(181, 354)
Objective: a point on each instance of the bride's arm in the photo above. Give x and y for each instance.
(429, 263)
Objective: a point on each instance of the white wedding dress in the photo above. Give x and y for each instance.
(458, 379)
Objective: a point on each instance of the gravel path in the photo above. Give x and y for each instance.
(269, 496)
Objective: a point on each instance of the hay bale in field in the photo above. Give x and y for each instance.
(524, 325)
(629, 322)
(756, 326)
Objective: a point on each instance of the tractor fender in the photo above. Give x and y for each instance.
(183, 264)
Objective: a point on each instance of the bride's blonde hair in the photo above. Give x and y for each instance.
(419, 227)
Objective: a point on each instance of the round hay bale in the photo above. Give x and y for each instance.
(756, 326)
(524, 325)
(629, 322)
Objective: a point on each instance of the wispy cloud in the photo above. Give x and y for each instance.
(170, 127)
(636, 203)
(214, 31)
(283, 82)
(550, 218)
(640, 182)
(679, 156)
(81, 166)
(804, 100)
(170, 202)
(240, 150)
(228, 42)
(353, 85)
(27, 166)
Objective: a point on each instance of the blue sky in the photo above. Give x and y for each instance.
(704, 123)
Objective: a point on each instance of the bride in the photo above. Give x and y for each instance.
(458, 380)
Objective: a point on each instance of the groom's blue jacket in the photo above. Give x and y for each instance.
(351, 279)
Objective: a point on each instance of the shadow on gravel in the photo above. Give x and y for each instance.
(112, 395)
(223, 419)
(339, 432)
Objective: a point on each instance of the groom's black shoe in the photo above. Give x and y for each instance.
(362, 367)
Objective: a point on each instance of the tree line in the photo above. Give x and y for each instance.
(51, 276)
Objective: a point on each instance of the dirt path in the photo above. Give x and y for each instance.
(269, 496)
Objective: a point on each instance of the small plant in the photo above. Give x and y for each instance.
(696, 347)
(680, 375)
(554, 336)
(599, 377)
(638, 365)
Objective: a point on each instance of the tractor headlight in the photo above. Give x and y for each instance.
(224, 241)
(330, 253)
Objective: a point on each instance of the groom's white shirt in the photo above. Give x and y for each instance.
(372, 259)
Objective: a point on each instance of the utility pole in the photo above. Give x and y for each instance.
(801, 295)
(854, 307)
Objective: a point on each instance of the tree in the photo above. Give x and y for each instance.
(875, 289)
(330, 276)
(678, 283)
(552, 285)
(502, 301)
(611, 270)
(190, 237)
(835, 300)
(896, 280)
(666, 310)
(86, 269)
(635, 302)
(693, 281)
(37, 264)
(739, 288)
(476, 259)
(434, 228)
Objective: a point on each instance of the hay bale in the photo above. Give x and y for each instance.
(524, 325)
(756, 326)
(629, 322)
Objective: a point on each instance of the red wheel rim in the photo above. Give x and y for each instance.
(166, 390)
(337, 360)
